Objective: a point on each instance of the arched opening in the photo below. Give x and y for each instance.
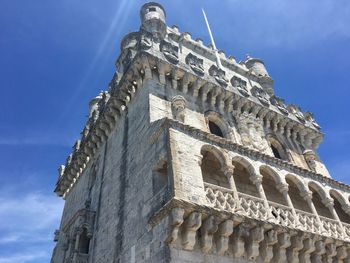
(215, 129)
(295, 195)
(277, 149)
(269, 184)
(84, 242)
(212, 170)
(241, 175)
(216, 124)
(343, 216)
(321, 209)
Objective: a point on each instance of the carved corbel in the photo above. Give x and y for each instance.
(341, 254)
(280, 249)
(309, 247)
(229, 102)
(240, 233)
(331, 252)
(256, 235)
(296, 245)
(320, 249)
(204, 91)
(185, 81)
(191, 225)
(266, 247)
(175, 221)
(209, 227)
(196, 87)
(223, 234)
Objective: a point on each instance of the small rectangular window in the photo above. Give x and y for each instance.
(152, 9)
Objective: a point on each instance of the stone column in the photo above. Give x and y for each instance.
(307, 196)
(257, 180)
(283, 188)
(329, 203)
(228, 171)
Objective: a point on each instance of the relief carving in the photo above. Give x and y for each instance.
(170, 51)
(310, 159)
(195, 63)
(178, 106)
(218, 75)
(252, 132)
(261, 95)
(241, 85)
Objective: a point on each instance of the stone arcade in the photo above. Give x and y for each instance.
(184, 160)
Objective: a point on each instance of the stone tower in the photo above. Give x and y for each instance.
(183, 160)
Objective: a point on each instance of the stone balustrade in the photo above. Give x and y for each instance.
(253, 207)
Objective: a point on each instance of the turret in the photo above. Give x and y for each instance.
(153, 19)
(257, 66)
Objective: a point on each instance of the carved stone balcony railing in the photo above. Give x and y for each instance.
(255, 208)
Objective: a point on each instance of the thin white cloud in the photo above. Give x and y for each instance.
(27, 224)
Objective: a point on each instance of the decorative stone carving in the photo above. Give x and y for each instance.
(146, 40)
(252, 132)
(195, 63)
(223, 234)
(279, 103)
(295, 110)
(191, 225)
(309, 247)
(127, 59)
(256, 235)
(170, 51)
(310, 158)
(238, 240)
(280, 254)
(261, 95)
(175, 221)
(219, 75)
(331, 252)
(296, 246)
(208, 229)
(178, 106)
(320, 249)
(241, 85)
(309, 117)
(266, 247)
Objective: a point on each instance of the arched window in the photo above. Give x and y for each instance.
(295, 195)
(241, 175)
(216, 124)
(212, 170)
(277, 149)
(215, 129)
(84, 242)
(343, 216)
(269, 184)
(322, 210)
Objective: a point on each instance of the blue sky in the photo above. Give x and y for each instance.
(56, 55)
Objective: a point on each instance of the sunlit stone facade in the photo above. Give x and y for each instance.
(183, 160)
